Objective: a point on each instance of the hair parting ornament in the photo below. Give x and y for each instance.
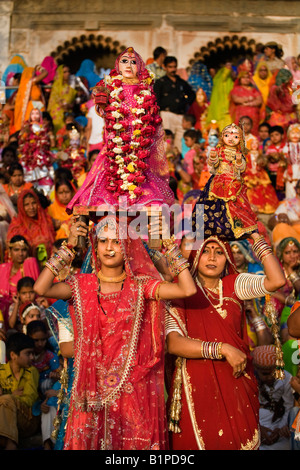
(18, 244)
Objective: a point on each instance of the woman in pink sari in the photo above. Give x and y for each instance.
(132, 164)
(117, 398)
(217, 397)
(246, 100)
(19, 265)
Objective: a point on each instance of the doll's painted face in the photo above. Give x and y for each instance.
(294, 136)
(128, 66)
(231, 138)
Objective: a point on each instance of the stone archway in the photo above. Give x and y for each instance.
(227, 49)
(102, 50)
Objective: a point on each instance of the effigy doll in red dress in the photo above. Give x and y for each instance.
(223, 208)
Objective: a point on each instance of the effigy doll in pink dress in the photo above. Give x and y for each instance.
(131, 169)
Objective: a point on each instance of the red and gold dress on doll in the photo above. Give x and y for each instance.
(117, 400)
(223, 208)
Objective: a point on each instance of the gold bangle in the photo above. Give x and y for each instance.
(157, 289)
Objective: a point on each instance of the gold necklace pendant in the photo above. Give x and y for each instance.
(115, 279)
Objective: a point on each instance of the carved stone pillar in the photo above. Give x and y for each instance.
(6, 8)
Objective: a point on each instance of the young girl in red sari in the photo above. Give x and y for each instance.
(117, 398)
(214, 379)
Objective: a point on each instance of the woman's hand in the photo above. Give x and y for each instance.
(78, 228)
(236, 358)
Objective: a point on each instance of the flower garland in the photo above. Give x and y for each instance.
(129, 141)
(34, 147)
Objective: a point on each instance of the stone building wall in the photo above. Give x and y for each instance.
(37, 28)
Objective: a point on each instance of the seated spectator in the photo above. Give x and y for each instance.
(92, 155)
(28, 312)
(264, 136)
(276, 160)
(45, 360)
(18, 392)
(64, 192)
(24, 294)
(8, 157)
(275, 398)
(16, 182)
(20, 264)
(188, 122)
(191, 138)
(32, 222)
(7, 212)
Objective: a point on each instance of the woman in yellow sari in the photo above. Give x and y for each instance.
(29, 95)
(262, 78)
(62, 97)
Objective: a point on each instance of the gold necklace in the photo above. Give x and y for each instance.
(116, 279)
(221, 311)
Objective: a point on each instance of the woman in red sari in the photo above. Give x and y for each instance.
(245, 100)
(32, 222)
(117, 399)
(208, 333)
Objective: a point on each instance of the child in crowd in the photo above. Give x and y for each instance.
(191, 139)
(49, 408)
(45, 360)
(201, 173)
(18, 392)
(25, 294)
(92, 155)
(188, 123)
(276, 400)
(276, 160)
(29, 312)
(247, 124)
(264, 136)
(48, 365)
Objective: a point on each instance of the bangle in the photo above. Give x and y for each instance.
(177, 263)
(62, 258)
(258, 324)
(211, 350)
(157, 289)
(294, 277)
(69, 246)
(261, 249)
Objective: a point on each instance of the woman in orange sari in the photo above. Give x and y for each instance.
(64, 191)
(213, 404)
(29, 95)
(32, 222)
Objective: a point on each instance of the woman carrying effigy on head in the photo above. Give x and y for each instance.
(117, 398)
(223, 203)
(132, 163)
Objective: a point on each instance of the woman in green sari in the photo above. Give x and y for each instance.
(218, 109)
(62, 97)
